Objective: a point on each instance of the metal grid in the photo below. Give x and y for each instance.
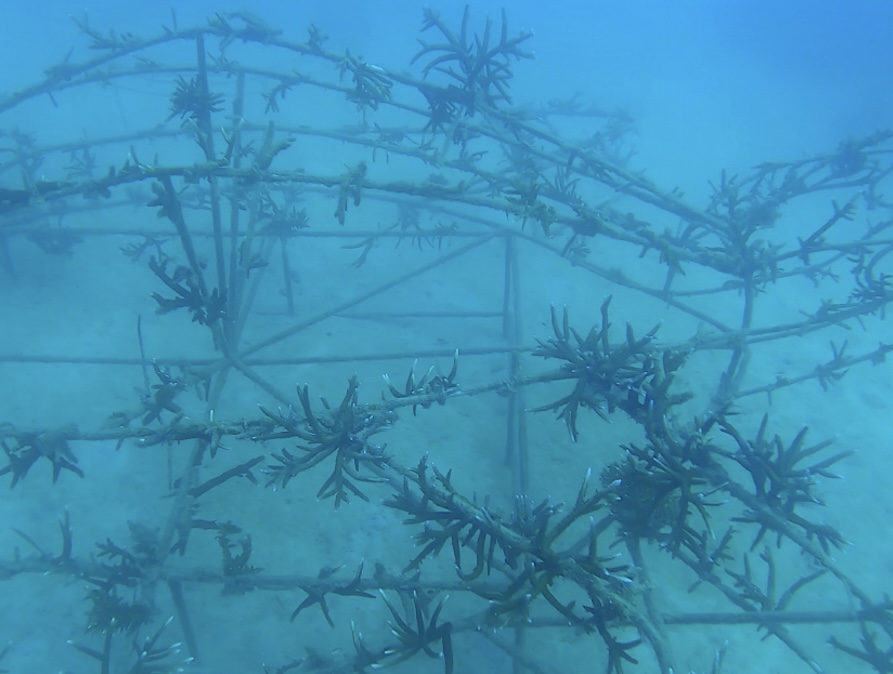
(332, 218)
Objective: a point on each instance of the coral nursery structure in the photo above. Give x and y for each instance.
(622, 481)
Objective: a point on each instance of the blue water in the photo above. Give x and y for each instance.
(708, 87)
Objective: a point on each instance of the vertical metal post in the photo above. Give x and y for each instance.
(516, 450)
(206, 133)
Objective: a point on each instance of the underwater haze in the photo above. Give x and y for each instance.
(729, 81)
(500, 337)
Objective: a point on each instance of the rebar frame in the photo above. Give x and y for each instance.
(241, 198)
